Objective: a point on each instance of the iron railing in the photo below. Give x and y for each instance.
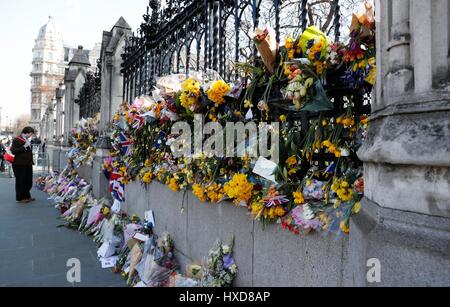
(210, 34)
(89, 98)
(187, 35)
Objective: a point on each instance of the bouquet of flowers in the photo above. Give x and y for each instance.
(82, 141)
(221, 269)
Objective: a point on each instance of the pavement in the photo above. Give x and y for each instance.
(34, 252)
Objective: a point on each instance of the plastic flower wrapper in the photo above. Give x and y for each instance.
(170, 85)
(267, 46)
(338, 220)
(134, 258)
(109, 233)
(93, 213)
(130, 231)
(83, 220)
(145, 267)
(142, 103)
(180, 281)
(164, 262)
(365, 21)
(312, 37)
(209, 78)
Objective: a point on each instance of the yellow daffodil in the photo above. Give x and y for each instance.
(289, 43)
(173, 185)
(199, 192)
(218, 91)
(147, 179)
(239, 189)
(291, 161)
(299, 198)
(345, 227)
(248, 104)
(357, 208)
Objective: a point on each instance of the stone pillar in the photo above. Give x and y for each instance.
(74, 79)
(113, 43)
(405, 221)
(68, 101)
(54, 145)
(60, 92)
(51, 132)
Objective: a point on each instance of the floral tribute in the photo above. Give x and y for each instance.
(318, 182)
(82, 140)
(221, 267)
(127, 244)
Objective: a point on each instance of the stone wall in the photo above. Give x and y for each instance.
(266, 258)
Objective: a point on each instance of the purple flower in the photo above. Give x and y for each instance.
(228, 261)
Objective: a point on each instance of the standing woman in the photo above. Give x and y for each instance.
(2, 152)
(23, 165)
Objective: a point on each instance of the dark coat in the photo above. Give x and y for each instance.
(23, 156)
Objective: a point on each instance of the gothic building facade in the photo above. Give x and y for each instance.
(51, 58)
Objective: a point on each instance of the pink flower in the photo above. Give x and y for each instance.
(301, 221)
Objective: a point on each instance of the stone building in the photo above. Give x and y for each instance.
(51, 57)
(47, 71)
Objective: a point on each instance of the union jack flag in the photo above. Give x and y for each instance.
(276, 201)
(139, 122)
(117, 190)
(125, 144)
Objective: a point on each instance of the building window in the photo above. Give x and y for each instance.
(36, 114)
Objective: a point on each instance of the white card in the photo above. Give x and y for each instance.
(150, 217)
(108, 263)
(265, 168)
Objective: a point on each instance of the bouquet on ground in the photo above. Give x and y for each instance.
(221, 269)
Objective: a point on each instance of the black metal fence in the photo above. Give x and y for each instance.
(89, 98)
(185, 35)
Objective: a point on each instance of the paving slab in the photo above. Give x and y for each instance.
(34, 251)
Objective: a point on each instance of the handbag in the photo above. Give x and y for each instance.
(8, 156)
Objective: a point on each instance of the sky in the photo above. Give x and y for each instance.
(81, 22)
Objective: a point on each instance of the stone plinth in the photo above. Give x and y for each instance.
(405, 222)
(413, 249)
